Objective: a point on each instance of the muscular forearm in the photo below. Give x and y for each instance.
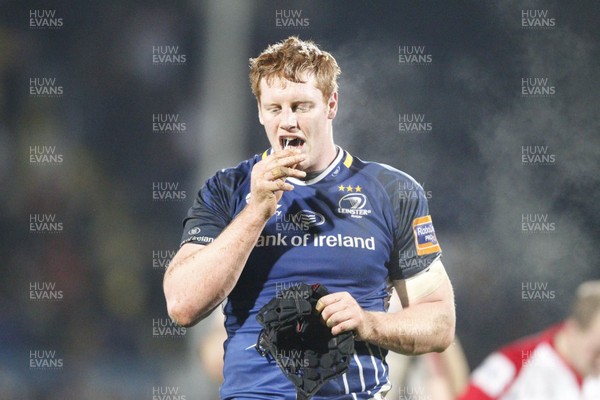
(419, 329)
(425, 324)
(197, 282)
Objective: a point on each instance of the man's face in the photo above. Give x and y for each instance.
(296, 114)
(587, 343)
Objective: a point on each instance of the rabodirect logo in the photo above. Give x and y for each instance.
(353, 204)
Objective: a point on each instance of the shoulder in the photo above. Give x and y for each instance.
(522, 349)
(392, 180)
(228, 184)
(234, 175)
(378, 170)
(503, 367)
(511, 358)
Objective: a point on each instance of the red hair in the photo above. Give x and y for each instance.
(292, 59)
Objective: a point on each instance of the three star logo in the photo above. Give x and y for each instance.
(349, 188)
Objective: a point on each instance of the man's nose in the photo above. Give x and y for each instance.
(288, 119)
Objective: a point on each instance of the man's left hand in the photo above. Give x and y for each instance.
(342, 313)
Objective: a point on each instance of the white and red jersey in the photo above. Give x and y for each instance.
(530, 369)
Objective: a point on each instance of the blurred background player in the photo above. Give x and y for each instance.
(562, 362)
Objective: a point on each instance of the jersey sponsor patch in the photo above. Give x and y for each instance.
(198, 239)
(425, 239)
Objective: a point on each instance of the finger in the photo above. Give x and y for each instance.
(277, 185)
(286, 158)
(277, 172)
(330, 299)
(325, 301)
(345, 326)
(334, 308)
(283, 185)
(336, 313)
(281, 172)
(344, 317)
(285, 151)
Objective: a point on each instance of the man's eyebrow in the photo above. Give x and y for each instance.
(293, 103)
(302, 102)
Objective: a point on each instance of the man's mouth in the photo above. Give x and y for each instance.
(290, 143)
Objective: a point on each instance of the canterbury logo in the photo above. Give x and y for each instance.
(309, 218)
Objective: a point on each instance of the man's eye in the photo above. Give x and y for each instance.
(302, 107)
(274, 110)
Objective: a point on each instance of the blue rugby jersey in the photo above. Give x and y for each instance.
(355, 227)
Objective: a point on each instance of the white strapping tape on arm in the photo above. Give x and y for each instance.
(422, 284)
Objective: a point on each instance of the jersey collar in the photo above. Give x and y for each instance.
(341, 155)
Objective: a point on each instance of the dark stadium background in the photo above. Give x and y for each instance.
(113, 231)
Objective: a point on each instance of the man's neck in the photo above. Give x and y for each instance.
(313, 174)
(563, 346)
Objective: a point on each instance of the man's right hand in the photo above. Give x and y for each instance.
(199, 278)
(268, 179)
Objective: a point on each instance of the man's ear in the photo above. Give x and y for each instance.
(260, 118)
(332, 105)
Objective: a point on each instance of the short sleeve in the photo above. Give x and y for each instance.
(211, 211)
(415, 242)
